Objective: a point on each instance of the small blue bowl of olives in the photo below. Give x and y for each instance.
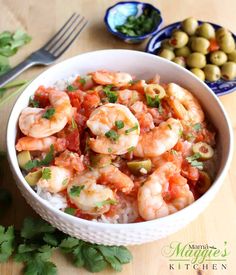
(206, 49)
(133, 21)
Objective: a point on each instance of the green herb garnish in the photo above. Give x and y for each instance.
(7, 237)
(71, 88)
(131, 129)
(106, 202)
(46, 173)
(33, 102)
(193, 160)
(130, 149)
(82, 80)
(197, 126)
(49, 113)
(113, 135)
(64, 182)
(119, 124)
(111, 95)
(70, 211)
(153, 101)
(44, 162)
(76, 190)
(73, 123)
(136, 26)
(109, 150)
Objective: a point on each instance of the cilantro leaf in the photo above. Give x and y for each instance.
(33, 102)
(70, 211)
(6, 242)
(153, 102)
(32, 228)
(197, 126)
(111, 95)
(76, 190)
(49, 113)
(106, 202)
(46, 173)
(50, 239)
(49, 157)
(119, 124)
(71, 88)
(4, 65)
(113, 135)
(82, 80)
(93, 260)
(194, 162)
(39, 267)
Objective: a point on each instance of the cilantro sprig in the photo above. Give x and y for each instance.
(193, 160)
(49, 113)
(37, 240)
(37, 163)
(111, 95)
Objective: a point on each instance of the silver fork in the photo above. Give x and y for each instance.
(52, 50)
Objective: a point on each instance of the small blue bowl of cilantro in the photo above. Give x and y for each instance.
(133, 21)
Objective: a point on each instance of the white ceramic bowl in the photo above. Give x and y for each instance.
(143, 66)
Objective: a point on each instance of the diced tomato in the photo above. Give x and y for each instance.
(139, 219)
(70, 160)
(145, 122)
(76, 99)
(213, 45)
(41, 96)
(189, 171)
(80, 121)
(73, 141)
(83, 84)
(91, 101)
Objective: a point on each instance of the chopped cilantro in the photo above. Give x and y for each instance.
(46, 173)
(6, 242)
(76, 190)
(153, 101)
(106, 202)
(197, 126)
(111, 95)
(37, 163)
(64, 182)
(71, 88)
(119, 124)
(82, 80)
(109, 150)
(193, 160)
(131, 129)
(73, 123)
(112, 135)
(33, 102)
(49, 113)
(70, 211)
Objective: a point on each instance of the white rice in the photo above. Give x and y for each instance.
(56, 200)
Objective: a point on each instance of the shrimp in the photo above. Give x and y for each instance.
(164, 193)
(113, 138)
(95, 188)
(128, 97)
(117, 79)
(159, 140)
(40, 144)
(33, 124)
(57, 180)
(184, 104)
(70, 160)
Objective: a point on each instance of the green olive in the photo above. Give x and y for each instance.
(178, 39)
(212, 72)
(190, 40)
(140, 167)
(166, 45)
(203, 183)
(184, 51)
(180, 61)
(33, 177)
(189, 25)
(200, 44)
(232, 56)
(168, 54)
(199, 73)
(206, 30)
(221, 32)
(23, 157)
(228, 70)
(100, 160)
(218, 58)
(205, 150)
(155, 89)
(196, 60)
(227, 43)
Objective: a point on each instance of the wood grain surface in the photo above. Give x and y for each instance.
(41, 19)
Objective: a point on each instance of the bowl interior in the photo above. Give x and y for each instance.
(219, 87)
(118, 14)
(141, 65)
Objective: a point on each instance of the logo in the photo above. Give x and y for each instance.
(186, 256)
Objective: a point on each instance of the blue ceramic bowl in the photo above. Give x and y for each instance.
(219, 87)
(117, 15)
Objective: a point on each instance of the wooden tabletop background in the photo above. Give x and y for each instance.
(41, 19)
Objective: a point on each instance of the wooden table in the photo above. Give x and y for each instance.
(41, 19)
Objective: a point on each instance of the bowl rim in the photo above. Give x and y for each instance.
(123, 36)
(178, 24)
(11, 153)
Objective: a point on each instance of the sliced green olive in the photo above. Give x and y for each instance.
(140, 167)
(205, 150)
(155, 89)
(33, 177)
(203, 183)
(23, 157)
(100, 160)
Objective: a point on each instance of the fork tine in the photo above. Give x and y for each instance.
(60, 49)
(60, 30)
(64, 31)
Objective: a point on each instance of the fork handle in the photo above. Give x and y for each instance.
(14, 72)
